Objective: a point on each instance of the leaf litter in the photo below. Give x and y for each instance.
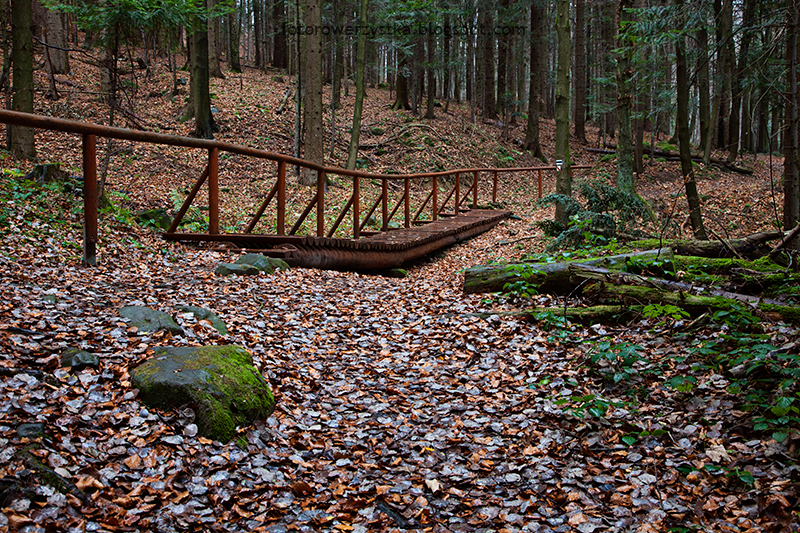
(398, 408)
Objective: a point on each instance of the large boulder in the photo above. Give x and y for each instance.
(219, 381)
(147, 320)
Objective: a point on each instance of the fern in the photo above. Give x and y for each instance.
(607, 213)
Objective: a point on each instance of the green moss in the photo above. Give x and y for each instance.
(220, 380)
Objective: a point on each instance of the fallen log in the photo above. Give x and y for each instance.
(587, 272)
(584, 315)
(670, 156)
(550, 278)
(634, 295)
(751, 246)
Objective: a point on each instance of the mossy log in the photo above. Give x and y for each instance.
(633, 295)
(752, 246)
(584, 315)
(580, 273)
(549, 278)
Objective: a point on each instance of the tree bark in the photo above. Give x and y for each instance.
(692, 197)
(20, 139)
(625, 178)
(487, 40)
(234, 60)
(536, 88)
(564, 177)
(791, 177)
(580, 72)
(312, 95)
(431, 90)
(360, 60)
(214, 68)
(401, 89)
(204, 125)
(280, 55)
(704, 88)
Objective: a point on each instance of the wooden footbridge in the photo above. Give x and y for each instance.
(378, 221)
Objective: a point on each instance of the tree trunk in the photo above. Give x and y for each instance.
(360, 60)
(625, 178)
(535, 97)
(214, 68)
(503, 100)
(487, 40)
(704, 88)
(791, 177)
(54, 25)
(738, 82)
(564, 176)
(258, 29)
(683, 138)
(429, 112)
(280, 56)
(580, 72)
(234, 61)
(204, 125)
(313, 147)
(20, 139)
(550, 278)
(401, 89)
(726, 65)
(338, 56)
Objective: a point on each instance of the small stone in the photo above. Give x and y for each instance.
(30, 431)
(79, 359)
(206, 314)
(148, 320)
(190, 430)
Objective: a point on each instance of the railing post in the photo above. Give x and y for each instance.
(281, 222)
(213, 190)
(540, 184)
(385, 204)
(356, 208)
(435, 199)
(475, 191)
(494, 188)
(458, 194)
(320, 203)
(89, 200)
(406, 199)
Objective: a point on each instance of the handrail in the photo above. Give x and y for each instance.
(210, 175)
(87, 128)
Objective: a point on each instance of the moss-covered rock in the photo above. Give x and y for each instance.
(220, 381)
(147, 320)
(230, 269)
(205, 314)
(154, 218)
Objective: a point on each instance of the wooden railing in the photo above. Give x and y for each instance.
(431, 206)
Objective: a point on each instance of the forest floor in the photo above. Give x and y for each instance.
(398, 409)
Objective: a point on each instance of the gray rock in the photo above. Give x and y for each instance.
(79, 359)
(146, 319)
(229, 269)
(263, 263)
(206, 314)
(220, 380)
(30, 431)
(154, 218)
(256, 260)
